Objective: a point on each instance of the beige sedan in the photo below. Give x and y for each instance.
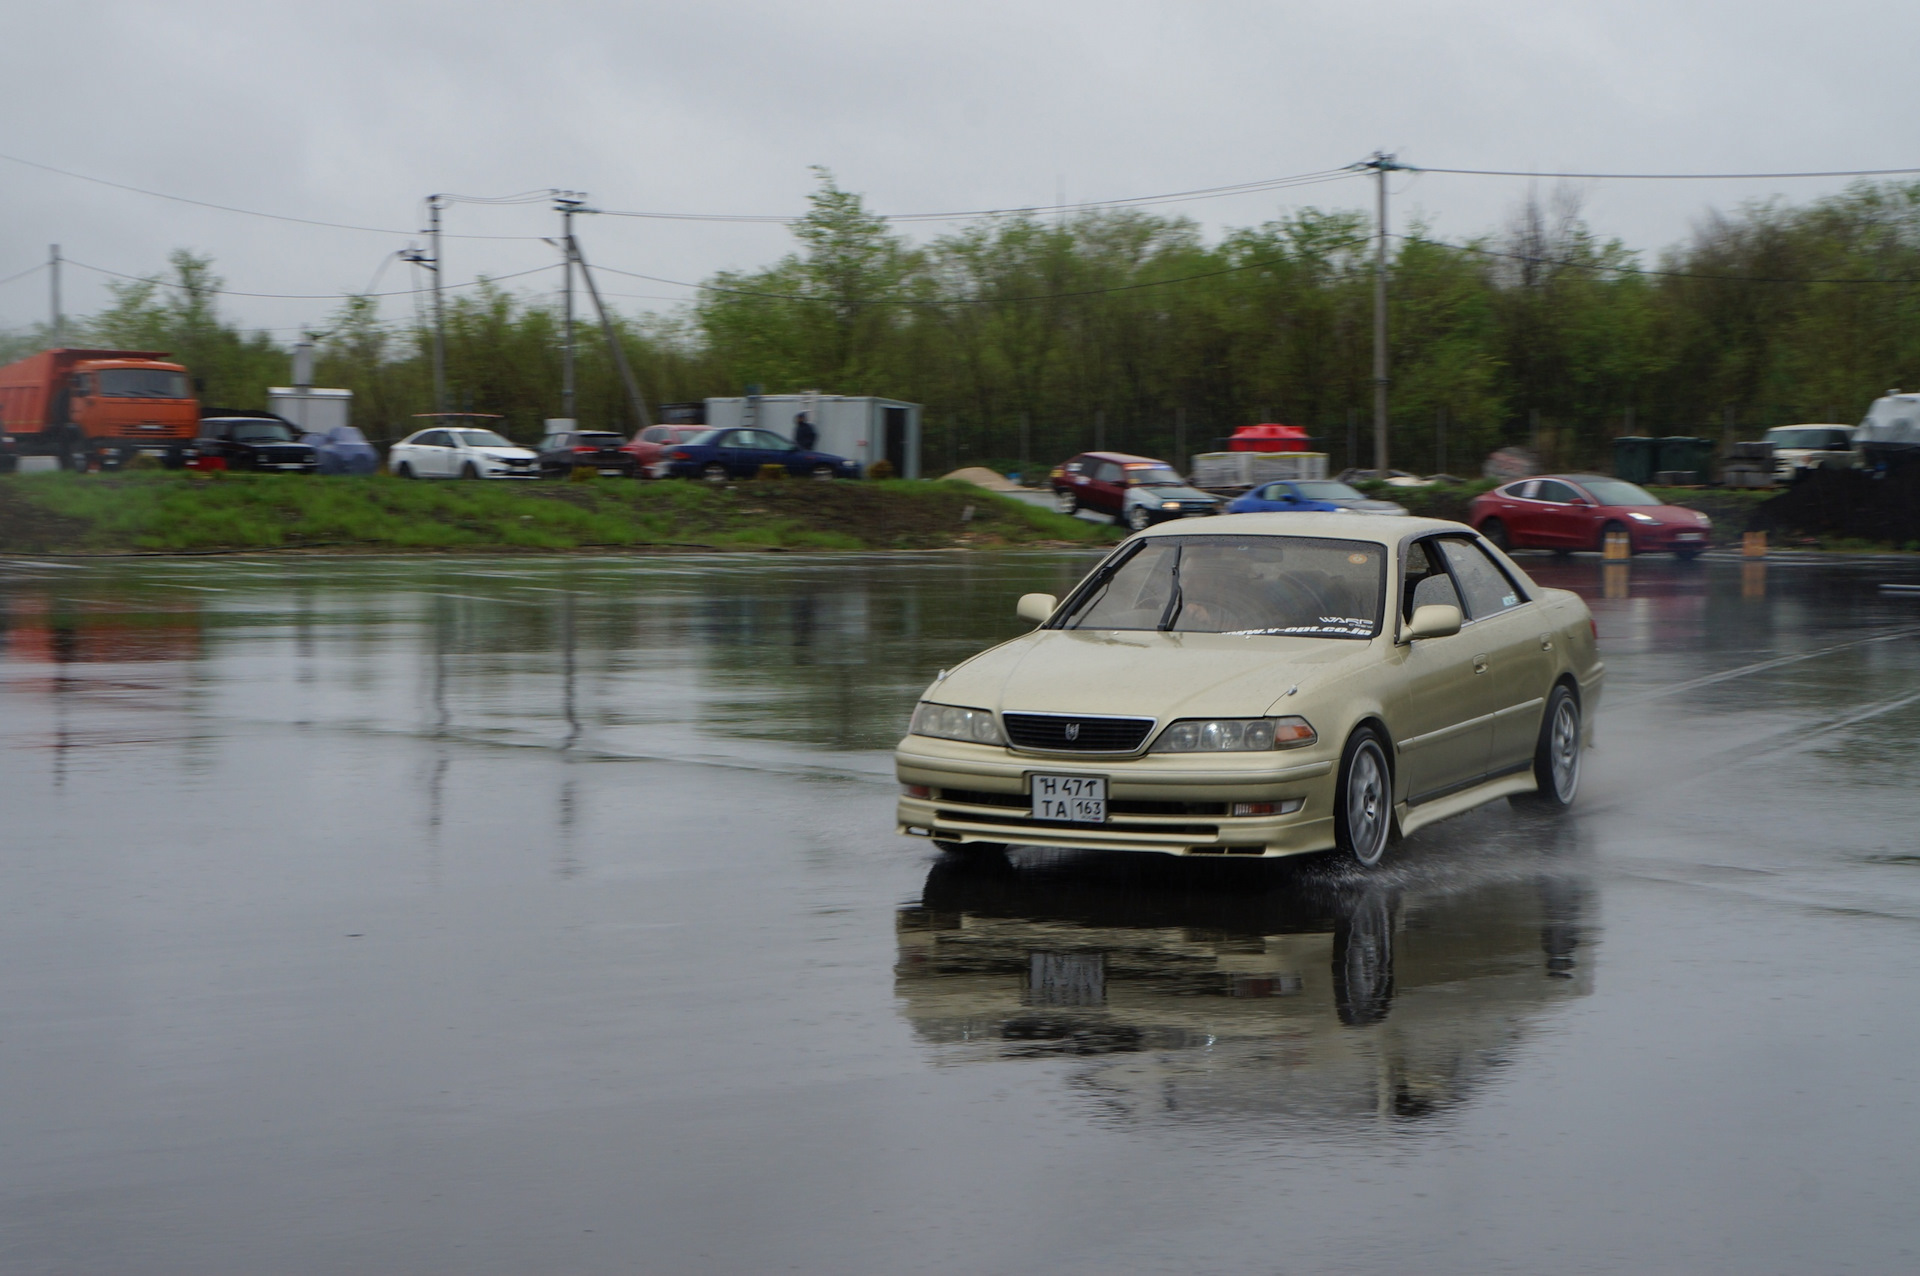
(1298, 683)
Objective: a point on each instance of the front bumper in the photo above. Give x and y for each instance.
(1667, 537)
(1167, 803)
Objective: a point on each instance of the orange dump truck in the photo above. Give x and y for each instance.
(97, 409)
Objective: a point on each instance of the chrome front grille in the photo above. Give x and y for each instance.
(1075, 733)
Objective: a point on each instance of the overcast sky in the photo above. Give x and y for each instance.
(354, 110)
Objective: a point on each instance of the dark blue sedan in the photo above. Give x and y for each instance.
(342, 450)
(1309, 496)
(719, 455)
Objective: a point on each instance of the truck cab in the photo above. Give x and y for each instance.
(98, 409)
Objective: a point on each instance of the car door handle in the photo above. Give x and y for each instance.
(1546, 642)
(1480, 663)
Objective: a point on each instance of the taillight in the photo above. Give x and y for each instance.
(1595, 626)
(680, 456)
(586, 449)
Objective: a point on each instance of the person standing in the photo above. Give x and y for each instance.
(804, 434)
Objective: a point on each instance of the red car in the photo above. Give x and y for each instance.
(1099, 481)
(649, 447)
(1566, 512)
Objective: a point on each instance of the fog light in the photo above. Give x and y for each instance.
(1286, 806)
(914, 830)
(916, 790)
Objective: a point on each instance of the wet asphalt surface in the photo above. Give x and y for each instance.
(501, 916)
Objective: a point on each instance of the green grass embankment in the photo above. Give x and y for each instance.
(188, 513)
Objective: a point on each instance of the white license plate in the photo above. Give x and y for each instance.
(1070, 799)
(1688, 536)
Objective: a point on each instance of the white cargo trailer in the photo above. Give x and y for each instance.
(312, 410)
(858, 427)
(1229, 471)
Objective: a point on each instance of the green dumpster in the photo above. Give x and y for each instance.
(1683, 459)
(1633, 459)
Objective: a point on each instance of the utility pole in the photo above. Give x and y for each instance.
(612, 335)
(434, 205)
(59, 320)
(568, 202)
(1381, 164)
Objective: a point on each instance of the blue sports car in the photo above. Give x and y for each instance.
(342, 450)
(1309, 495)
(719, 455)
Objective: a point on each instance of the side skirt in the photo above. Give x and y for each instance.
(1412, 818)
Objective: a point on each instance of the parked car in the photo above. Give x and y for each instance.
(461, 452)
(1099, 481)
(1297, 683)
(1309, 496)
(649, 447)
(718, 455)
(596, 449)
(1810, 447)
(241, 439)
(343, 450)
(1160, 499)
(1568, 512)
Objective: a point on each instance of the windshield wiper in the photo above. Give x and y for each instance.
(1176, 601)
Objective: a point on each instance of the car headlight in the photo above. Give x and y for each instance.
(1169, 505)
(1234, 735)
(1638, 517)
(950, 722)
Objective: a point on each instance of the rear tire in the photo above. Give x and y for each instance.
(1067, 503)
(1496, 532)
(1556, 756)
(1363, 799)
(715, 473)
(404, 471)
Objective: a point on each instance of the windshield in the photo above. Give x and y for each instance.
(262, 432)
(1154, 476)
(480, 438)
(345, 434)
(144, 383)
(1328, 491)
(1804, 436)
(1614, 492)
(1255, 585)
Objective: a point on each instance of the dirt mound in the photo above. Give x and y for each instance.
(981, 476)
(1850, 503)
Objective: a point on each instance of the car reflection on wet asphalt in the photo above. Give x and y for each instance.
(508, 915)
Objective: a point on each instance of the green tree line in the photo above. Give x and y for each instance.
(1042, 336)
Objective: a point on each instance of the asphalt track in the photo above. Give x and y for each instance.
(500, 916)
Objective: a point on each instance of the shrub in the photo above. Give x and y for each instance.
(582, 474)
(772, 470)
(881, 469)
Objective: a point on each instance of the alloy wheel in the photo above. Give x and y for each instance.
(1366, 803)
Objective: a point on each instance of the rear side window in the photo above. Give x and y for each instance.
(1107, 472)
(1549, 490)
(1486, 588)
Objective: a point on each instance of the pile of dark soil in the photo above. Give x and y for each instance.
(1850, 504)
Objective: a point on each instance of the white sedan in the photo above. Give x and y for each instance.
(461, 452)
(1298, 683)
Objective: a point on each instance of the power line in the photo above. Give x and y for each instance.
(1638, 270)
(23, 274)
(1666, 177)
(298, 296)
(229, 208)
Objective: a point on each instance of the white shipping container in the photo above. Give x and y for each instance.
(311, 411)
(1249, 469)
(858, 427)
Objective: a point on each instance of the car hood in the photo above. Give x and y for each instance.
(506, 453)
(1369, 506)
(1144, 673)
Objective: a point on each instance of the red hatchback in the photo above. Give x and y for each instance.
(1566, 512)
(1099, 480)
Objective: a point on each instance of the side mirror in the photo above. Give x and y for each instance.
(1435, 620)
(1037, 607)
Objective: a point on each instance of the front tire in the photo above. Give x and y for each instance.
(404, 471)
(821, 473)
(1496, 532)
(468, 472)
(1067, 503)
(1556, 757)
(1363, 800)
(1138, 519)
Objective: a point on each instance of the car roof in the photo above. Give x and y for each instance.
(1378, 530)
(1126, 458)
